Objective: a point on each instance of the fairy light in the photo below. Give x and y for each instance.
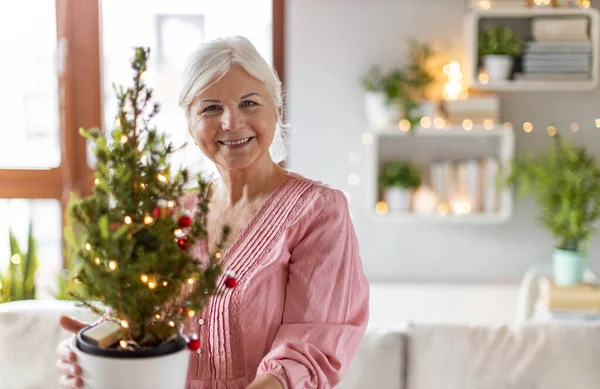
(171, 323)
(218, 255)
(151, 284)
(157, 316)
(143, 186)
(161, 178)
(527, 127)
(455, 87)
(574, 127)
(0, 285)
(127, 220)
(483, 78)
(488, 124)
(367, 138)
(381, 208)
(468, 124)
(117, 122)
(123, 343)
(97, 261)
(426, 122)
(404, 125)
(461, 207)
(148, 220)
(443, 208)
(144, 278)
(597, 123)
(124, 139)
(353, 179)
(77, 281)
(551, 130)
(88, 246)
(112, 265)
(191, 313)
(15, 259)
(124, 324)
(190, 281)
(170, 203)
(484, 4)
(96, 181)
(165, 283)
(585, 3)
(178, 232)
(439, 122)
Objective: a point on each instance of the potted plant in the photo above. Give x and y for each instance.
(397, 180)
(134, 265)
(565, 180)
(397, 94)
(498, 46)
(18, 283)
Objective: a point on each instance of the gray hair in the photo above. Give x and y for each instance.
(212, 60)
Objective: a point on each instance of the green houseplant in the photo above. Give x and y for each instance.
(397, 180)
(565, 181)
(397, 94)
(498, 46)
(18, 283)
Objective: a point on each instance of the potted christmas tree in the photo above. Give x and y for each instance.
(398, 179)
(566, 183)
(134, 266)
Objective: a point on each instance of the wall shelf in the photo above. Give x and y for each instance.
(429, 145)
(518, 20)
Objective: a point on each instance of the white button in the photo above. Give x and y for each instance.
(201, 322)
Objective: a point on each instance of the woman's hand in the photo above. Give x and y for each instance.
(266, 381)
(67, 367)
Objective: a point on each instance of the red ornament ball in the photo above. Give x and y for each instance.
(157, 212)
(185, 221)
(230, 282)
(183, 244)
(194, 344)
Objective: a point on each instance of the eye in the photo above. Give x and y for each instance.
(248, 103)
(211, 108)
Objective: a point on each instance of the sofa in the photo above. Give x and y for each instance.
(411, 355)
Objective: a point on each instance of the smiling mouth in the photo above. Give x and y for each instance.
(235, 142)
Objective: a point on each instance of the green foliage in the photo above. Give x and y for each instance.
(18, 283)
(125, 254)
(565, 181)
(400, 174)
(404, 87)
(499, 40)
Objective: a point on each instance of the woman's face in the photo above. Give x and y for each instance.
(233, 122)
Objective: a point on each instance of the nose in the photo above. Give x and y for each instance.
(231, 120)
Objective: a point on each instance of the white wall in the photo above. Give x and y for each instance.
(330, 44)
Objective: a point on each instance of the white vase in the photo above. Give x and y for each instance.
(397, 199)
(379, 114)
(498, 67)
(157, 372)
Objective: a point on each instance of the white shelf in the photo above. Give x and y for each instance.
(452, 130)
(473, 218)
(472, 39)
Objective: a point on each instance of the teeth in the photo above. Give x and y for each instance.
(238, 142)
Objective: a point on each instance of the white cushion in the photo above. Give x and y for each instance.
(29, 335)
(549, 356)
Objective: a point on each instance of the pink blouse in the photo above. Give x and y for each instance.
(300, 307)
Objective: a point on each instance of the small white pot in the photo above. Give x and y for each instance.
(101, 372)
(397, 199)
(498, 67)
(380, 114)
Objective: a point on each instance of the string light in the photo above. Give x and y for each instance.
(461, 207)
(178, 232)
(157, 316)
(404, 125)
(443, 208)
(96, 181)
(574, 127)
(148, 220)
(144, 278)
(117, 122)
(488, 124)
(585, 3)
(143, 186)
(151, 284)
(191, 313)
(455, 87)
(161, 178)
(190, 281)
(468, 124)
(484, 4)
(123, 343)
(165, 283)
(367, 138)
(483, 78)
(381, 208)
(124, 139)
(124, 324)
(551, 130)
(15, 259)
(527, 127)
(439, 122)
(171, 323)
(426, 122)
(597, 123)
(218, 255)
(170, 203)
(97, 260)
(112, 265)
(127, 220)
(88, 246)
(353, 179)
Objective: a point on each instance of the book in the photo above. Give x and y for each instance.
(541, 311)
(560, 29)
(581, 298)
(552, 76)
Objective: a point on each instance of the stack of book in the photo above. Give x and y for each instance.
(476, 108)
(472, 181)
(561, 50)
(579, 302)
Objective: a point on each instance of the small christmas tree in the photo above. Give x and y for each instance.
(135, 260)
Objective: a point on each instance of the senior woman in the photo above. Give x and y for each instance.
(300, 308)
